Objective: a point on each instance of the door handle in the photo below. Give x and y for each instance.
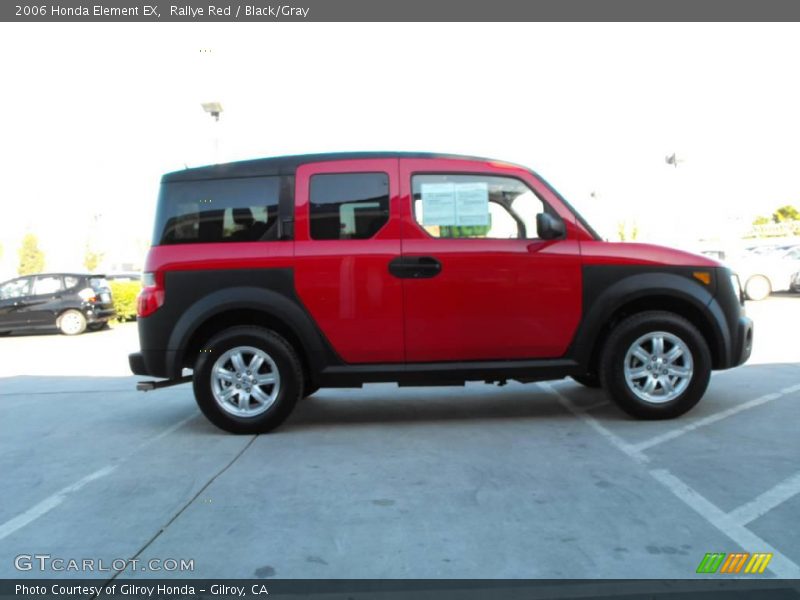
(415, 267)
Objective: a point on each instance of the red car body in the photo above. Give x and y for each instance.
(496, 308)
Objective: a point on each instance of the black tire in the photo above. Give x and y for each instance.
(589, 380)
(285, 360)
(71, 322)
(621, 340)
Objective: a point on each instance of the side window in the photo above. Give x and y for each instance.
(218, 210)
(70, 281)
(47, 285)
(15, 289)
(475, 206)
(348, 206)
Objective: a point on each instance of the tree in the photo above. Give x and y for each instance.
(627, 231)
(31, 258)
(91, 258)
(761, 220)
(786, 213)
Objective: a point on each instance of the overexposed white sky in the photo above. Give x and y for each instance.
(92, 114)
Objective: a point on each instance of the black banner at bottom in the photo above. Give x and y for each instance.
(391, 589)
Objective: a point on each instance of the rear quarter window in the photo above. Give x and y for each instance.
(218, 210)
(98, 283)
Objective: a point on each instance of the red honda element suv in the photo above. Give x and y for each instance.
(272, 278)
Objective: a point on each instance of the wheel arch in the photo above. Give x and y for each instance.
(248, 306)
(652, 291)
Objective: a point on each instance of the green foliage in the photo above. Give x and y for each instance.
(91, 259)
(786, 213)
(31, 258)
(762, 220)
(627, 232)
(124, 293)
(463, 231)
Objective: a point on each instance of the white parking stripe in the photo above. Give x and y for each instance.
(767, 501)
(782, 566)
(612, 438)
(716, 417)
(49, 503)
(749, 541)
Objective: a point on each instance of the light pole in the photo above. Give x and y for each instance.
(214, 109)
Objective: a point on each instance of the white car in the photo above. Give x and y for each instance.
(767, 271)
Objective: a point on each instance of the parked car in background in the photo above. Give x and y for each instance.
(72, 302)
(795, 285)
(766, 270)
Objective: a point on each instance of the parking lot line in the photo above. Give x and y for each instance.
(52, 501)
(716, 417)
(611, 437)
(765, 502)
(780, 565)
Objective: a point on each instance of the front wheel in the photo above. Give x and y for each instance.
(656, 365)
(247, 380)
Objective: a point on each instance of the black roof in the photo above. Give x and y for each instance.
(287, 165)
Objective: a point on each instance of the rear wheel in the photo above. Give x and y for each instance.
(656, 365)
(71, 322)
(249, 381)
(757, 287)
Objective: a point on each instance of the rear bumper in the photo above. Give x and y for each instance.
(100, 315)
(152, 363)
(136, 361)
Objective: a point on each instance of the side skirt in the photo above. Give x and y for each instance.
(448, 373)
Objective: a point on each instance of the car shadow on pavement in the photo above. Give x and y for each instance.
(367, 406)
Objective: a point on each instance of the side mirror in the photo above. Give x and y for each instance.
(549, 227)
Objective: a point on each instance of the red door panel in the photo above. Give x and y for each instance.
(493, 298)
(345, 284)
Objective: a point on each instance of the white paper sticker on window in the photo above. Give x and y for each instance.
(438, 204)
(472, 203)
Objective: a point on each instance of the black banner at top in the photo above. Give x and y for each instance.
(397, 10)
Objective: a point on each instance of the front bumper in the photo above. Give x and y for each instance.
(743, 344)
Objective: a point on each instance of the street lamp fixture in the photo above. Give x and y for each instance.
(213, 108)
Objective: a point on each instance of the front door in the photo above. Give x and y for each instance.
(486, 287)
(14, 299)
(347, 232)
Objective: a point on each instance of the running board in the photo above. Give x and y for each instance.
(148, 386)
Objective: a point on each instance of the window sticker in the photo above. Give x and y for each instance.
(455, 204)
(438, 204)
(472, 203)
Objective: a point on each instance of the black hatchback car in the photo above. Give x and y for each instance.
(72, 302)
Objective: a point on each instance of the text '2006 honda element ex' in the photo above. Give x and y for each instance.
(272, 278)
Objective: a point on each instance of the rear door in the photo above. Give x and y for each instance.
(14, 296)
(45, 300)
(346, 233)
(485, 286)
